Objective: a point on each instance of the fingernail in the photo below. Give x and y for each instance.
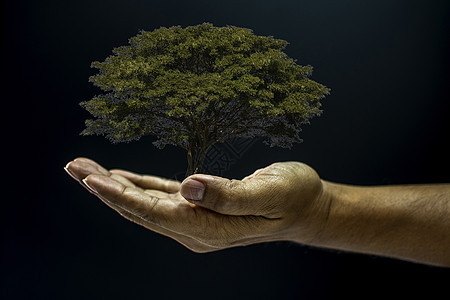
(192, 189)
(92, 189)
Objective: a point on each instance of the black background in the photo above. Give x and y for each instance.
(386, 122)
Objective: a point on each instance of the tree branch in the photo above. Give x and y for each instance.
(245, 115)
(234, 131)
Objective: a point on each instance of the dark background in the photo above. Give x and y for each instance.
(386, 122)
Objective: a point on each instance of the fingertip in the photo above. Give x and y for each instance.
(67, 169)
(103, 184)
(173, 186)
(93, 182)
(192, 189)
(67, 165)
(89, 186)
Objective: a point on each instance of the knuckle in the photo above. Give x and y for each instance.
(232, 196)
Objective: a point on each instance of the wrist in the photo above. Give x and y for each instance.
(329, 198)
(313, 220)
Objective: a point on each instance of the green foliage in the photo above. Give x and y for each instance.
(201, 84)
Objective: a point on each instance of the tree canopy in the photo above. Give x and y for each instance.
(196, 86)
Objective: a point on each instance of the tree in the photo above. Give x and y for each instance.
(200, 85)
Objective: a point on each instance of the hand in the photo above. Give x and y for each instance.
(280, 202)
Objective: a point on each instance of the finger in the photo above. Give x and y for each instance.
(255, 196)
(80, 168)
(150, 182)
(93, 163)
(124, 181)
(153, 209)
(186, 241)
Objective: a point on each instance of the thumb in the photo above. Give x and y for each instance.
(231, 197)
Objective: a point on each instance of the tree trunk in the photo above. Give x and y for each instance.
(190, 168)
(195, 161)
(199, 165)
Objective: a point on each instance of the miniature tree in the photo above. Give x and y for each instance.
(201, 85)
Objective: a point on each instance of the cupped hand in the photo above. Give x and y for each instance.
(282, 201)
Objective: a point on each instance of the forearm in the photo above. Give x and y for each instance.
(410, 222)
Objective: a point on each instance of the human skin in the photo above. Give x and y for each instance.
(285, 201)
